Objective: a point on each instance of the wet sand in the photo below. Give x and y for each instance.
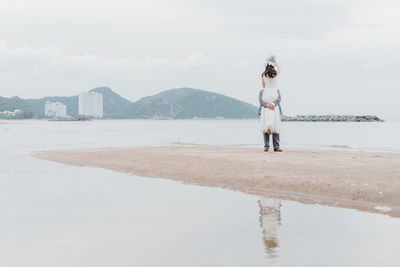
(363, 180)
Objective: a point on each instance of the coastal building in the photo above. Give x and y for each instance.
(91, 104)
(55, 109)
(11, 113)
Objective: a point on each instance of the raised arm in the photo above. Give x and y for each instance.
(278, 67)
(262, 81)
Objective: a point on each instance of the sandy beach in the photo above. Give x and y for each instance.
(363, 180)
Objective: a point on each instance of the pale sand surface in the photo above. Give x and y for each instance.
(360, 180)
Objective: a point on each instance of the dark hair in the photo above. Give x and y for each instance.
(270, 71)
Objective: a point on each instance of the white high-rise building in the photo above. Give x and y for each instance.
(56, 109)
(91, 104)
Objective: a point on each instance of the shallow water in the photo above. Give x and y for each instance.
(58, 215)
(31, 135)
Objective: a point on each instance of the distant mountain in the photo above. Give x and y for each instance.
(13, 103)
(114, 105)
(188, 103)
(182, 103)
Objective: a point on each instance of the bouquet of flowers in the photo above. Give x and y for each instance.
(271, 60)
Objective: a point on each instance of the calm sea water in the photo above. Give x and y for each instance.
(58, 215)
(33, 135)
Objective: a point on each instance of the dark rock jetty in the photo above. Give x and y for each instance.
(328, 118)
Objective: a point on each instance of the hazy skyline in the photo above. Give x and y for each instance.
(337, 56)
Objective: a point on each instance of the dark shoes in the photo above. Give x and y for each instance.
(275, 149)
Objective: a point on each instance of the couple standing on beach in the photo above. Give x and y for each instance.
(270, 110)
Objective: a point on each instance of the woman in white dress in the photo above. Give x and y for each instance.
(270, 110)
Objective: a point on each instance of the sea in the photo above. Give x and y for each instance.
(53, 214)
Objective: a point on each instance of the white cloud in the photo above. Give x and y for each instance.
(57, 71)
(193, 62)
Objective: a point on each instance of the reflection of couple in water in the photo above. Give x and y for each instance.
(270, 220)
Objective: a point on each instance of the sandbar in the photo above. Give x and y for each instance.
(367, 181)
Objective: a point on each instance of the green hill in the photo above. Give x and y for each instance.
(182, 103)
(13, 103)
(114, 105)
(188, 103)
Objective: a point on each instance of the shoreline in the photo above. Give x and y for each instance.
(368, 181)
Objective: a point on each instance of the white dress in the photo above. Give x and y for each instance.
(270, 119)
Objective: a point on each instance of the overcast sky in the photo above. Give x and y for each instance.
(340, 56)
